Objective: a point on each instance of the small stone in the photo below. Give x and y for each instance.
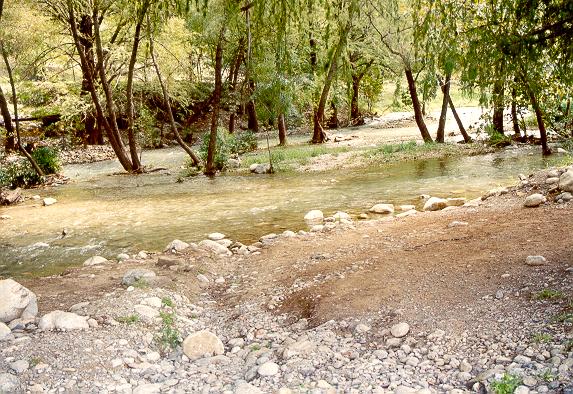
(400, 330)
(362, 328)
(9, 383)
(216, 236)
(552, 181)
(220, 280)
(95, 260)
(566, 181)
(5, 217)
(342, 215)
(137, 274)
(268, 369)
(465, 366)
(148, 388)
(20, 366)
(289, 234)
(154, 302)
(147, 313)
(382, 209)
(314, 217)
(534, 200)
(49, 201)
(61, 320)
(202, 278)
(80, 305)
(122, 257)
(404, 208)
(4, 330)
(456, 223)
(213, 247)
(176, 246)
(363, 216)
(535, 261)
(142, 255)
(246, 388)
(435, 204)
(521, 390)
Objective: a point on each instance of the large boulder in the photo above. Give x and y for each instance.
(60, 320)
(16, 301)
(566, 181)
(260, 168)
(9, 197)
(4, 330)
(213, 246)
(314, 217)
(132, 276)
(9, 383)
(202, 342)
(382, 208)
(435, 204)
(49, 201)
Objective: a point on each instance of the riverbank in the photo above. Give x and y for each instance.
(443, 301)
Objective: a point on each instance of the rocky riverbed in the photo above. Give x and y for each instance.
(472, 298)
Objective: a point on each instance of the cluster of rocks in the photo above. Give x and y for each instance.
(556, 183)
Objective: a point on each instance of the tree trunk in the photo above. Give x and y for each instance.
(15, 103)
(445, 87)
(10, 144)
(252, 121)
(318, 135)
(540, 122)
(189, 151)
(129, 90)
(355, 118)
(282, 130)
(234, 76)
(417, 107)
(465, 134)
(514, 119)
(210, 168)
(498, 101)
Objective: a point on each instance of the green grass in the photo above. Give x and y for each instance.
(168, 337)
(565, 317)
(506, 385)
(140, 283)
(549, 294)
(130, 319)
(542, 337)
(167, 302)
(35, 361)
(546, 376)
(291, 156)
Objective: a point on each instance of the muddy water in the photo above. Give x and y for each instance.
(107, 214)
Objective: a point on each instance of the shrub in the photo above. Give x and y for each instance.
(506, 385)
(227, 145)
(19, 174)
(47, 159)
(243, 142)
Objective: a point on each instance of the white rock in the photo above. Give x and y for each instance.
(16, 301)
(216, 236)
(153, 356)
(268, 369)
(268, 237)
(95, 260)
(142, 255)
(411, 212)
(4, 330)
(289, 234)
(534, 200)
(246, 388)
(20, 366)
(521, 390)
(456, 223)
(134, 275)
(200, 343)
(122, 256)
(317, 228)
(535, 260)
(341, 215)
(362, 328)
(225, 242)
(552, 181)
(61, 320)
(382, 209)
(49, 201)
(435, 204)
(566, 181)
(146, 312)
(405, 208)
(9, 383)
(456, 202)
(202, 278)
(154, 302)
(213, 247)
(176, 246)
(400, 330)
(80, 305)
(314, 217)
(148, 388)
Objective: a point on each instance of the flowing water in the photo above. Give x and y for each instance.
(106, 214)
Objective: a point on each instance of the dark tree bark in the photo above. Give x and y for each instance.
(252, 120)
(445, 87)
(312, 56)
(234, 76)
(10, 144)
(282, 130)
(210, 168)
(189, 151)
(318, 135)
(333, 122)
(514, 119)
(354, 110)
(129, 89)
(498, 104)
(417, 107)
(540, 122)
(467, 138)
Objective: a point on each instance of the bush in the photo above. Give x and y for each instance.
(47, 159)
(227, 145)
(243, 142)
(19, 174)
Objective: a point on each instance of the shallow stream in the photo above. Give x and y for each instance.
(107, 214)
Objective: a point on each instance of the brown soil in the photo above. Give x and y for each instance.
(418, 268)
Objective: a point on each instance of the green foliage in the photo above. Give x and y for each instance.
(542, 337)
(167, 302)
(565, 317)
(549, 294)
(19, 173)
(140, 283)
(547, 376)
(243, 142)
(227, 145)
(507, 384)
(494, 137)
(169, 337)
(291, 156)
(47, 159)
(129, 319)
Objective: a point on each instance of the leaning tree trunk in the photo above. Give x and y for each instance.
(129, 90)
(417, 107)
(445, 87)
(467, 138)
(282, 130)
(15, 103)
(318, 135)
(498, 99)
(234, 76)
(10, 144)
(210, 168)
(540, 122)
(102, 120)
(167, 101)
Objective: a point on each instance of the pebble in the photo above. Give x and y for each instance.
(400, 330)
(268, 369)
